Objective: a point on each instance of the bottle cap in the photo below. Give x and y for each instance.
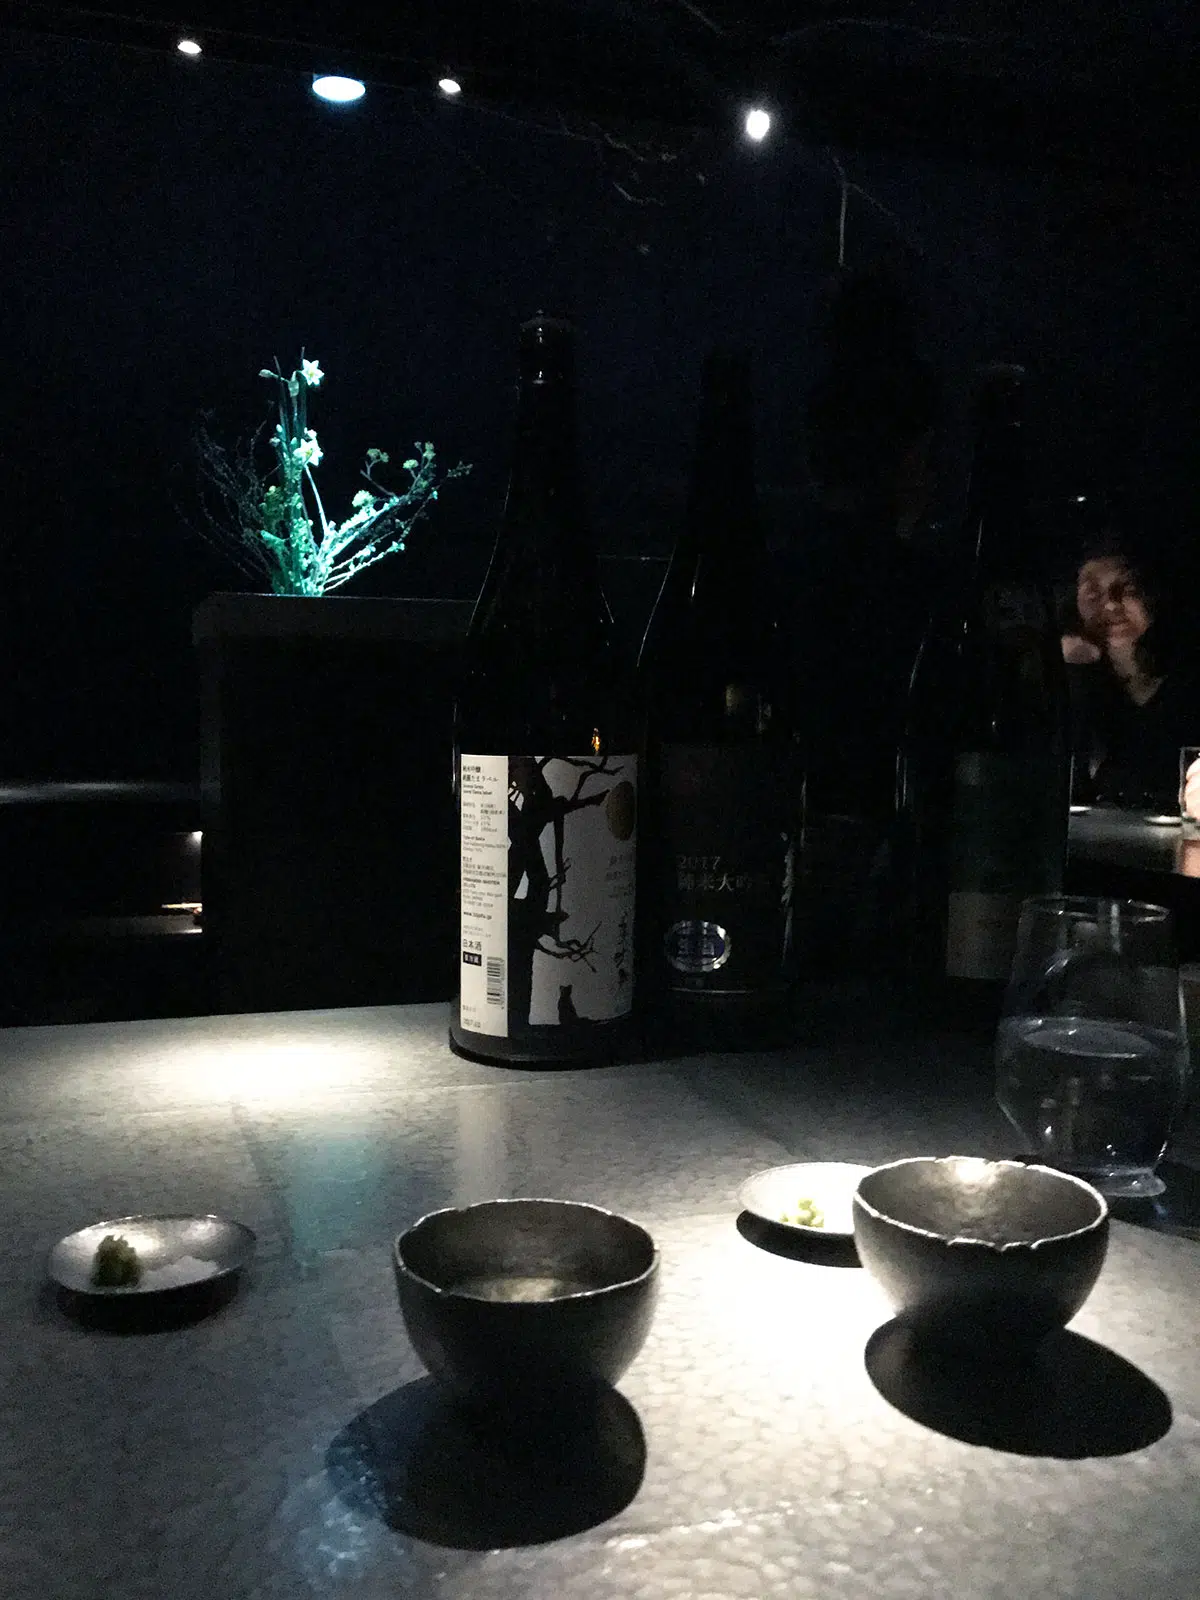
(989, 371)
(727, 361)
(542, 321)
(727, 375)
(547, 345)
(999, 391)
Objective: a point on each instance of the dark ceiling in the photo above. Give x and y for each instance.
(1111, 84)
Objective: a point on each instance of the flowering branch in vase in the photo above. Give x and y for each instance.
(280, 528)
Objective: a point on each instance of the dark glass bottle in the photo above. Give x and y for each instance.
(546, 742)
(983, 774)
(721, 793)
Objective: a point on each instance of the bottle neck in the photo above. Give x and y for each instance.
(722, 540)
(999, 541)
(544, 577)
(543, 493)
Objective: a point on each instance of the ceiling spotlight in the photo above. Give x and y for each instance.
(450, 86)
(340, 91)
(758, 124)
(188, 47)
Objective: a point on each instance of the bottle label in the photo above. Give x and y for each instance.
(1005, 843)
(726, 897)
(981, 934)
(547, 891)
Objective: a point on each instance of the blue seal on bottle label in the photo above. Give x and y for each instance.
(697, 946)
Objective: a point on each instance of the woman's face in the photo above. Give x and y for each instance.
(1111, 606)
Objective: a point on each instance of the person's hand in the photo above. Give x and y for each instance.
(1189, 800)
(1078, 651)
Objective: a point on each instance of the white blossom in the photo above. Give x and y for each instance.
(308, 452)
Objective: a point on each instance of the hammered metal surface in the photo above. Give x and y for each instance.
(292, 1445)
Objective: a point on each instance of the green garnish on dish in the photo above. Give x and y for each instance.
(807, 1214)
(116, 1264)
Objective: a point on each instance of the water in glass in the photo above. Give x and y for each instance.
(1091, 1094)
(1091, 1051)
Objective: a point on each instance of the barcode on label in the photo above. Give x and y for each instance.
(495, 980)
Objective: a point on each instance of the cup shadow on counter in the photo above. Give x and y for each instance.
(436, 1471)
(835, 1251)
(1071, 1398)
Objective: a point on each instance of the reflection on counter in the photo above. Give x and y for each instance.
(1149, 841)
(1139, 856)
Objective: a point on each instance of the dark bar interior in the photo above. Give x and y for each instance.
(753, 448)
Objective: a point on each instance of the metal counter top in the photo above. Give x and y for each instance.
(771, 1440)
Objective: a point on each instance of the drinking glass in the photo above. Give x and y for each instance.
(1092, 1053)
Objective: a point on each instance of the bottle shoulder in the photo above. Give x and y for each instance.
(713, 629)
(529, 700)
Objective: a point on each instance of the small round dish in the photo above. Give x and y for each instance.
(775, 1193)
(177, 1254)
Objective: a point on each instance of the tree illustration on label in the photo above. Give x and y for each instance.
(571, 823)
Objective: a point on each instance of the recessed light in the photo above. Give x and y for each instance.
(758, 124)
(341, 91)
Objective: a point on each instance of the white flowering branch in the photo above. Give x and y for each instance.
(282, 529)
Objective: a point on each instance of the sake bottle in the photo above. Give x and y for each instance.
(984, 765)
(722, 790)
(546, 761)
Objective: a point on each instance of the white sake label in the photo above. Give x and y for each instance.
(483, 917)
(547, 883)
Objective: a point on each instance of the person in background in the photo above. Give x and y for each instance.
(1133, 702)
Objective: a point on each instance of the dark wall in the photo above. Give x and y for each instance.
(168, 227)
